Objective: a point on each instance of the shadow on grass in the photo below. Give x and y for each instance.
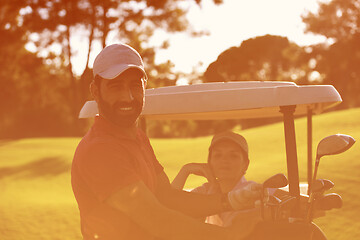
(44, 167)
(4, 142)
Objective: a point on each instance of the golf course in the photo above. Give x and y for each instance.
(36, 199)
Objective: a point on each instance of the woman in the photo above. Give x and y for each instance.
(228, 161)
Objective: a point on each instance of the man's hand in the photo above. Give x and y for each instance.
(245, 198)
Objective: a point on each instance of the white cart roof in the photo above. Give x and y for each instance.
(231, 100)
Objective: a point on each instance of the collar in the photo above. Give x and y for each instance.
(104, 125)
(240, 183)
(214, 188)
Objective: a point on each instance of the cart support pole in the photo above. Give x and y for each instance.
(291, 153)
(309, 148)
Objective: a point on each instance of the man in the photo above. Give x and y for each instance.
(120, 187)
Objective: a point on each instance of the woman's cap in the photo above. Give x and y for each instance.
(228, 135)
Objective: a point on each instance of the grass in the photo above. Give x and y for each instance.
(36, 200)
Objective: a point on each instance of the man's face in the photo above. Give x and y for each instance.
(121, 99)
(227, 160)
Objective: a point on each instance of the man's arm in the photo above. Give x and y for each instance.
(192, 204)
(138, 203)
(200, 205)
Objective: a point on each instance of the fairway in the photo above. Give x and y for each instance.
(36, 200)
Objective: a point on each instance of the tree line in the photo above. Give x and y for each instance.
(41, 94)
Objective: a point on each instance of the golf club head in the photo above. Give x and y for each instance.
(329, 201)
(273, 200)
(273, 203)
(317, 186)
(327, 184)
(277, 181)
(334, 144)
(285, 207)
(288, 204)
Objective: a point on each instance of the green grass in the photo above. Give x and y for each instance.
(36, 200)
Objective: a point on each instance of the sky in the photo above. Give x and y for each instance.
(228, 25)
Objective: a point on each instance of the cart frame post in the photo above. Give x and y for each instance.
(291, 153)
(309, 148)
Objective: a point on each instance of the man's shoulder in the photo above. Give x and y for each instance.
(142, 135)
(97, 145)
(92, 141)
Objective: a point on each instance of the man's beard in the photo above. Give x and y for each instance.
(112, 112)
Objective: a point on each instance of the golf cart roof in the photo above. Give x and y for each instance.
(231, 100)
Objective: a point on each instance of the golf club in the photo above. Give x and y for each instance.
(331, 145)
(285, 206)
(317, 188)
(327, 184)
(277, 181)
(328, 202)
(273, 203)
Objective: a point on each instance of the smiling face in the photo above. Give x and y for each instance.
(227, 160)
(121, 99)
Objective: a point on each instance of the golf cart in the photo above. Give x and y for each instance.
(256, 99)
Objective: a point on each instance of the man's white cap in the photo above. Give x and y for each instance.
(115, 59)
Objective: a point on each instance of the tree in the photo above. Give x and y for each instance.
(29, 87)
(339, 21)
(30, 94)
(262, 58)
(336, 19)
(132, 22)
(50, 25)
(339, 64)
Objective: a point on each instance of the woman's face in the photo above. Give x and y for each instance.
(227, 160)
